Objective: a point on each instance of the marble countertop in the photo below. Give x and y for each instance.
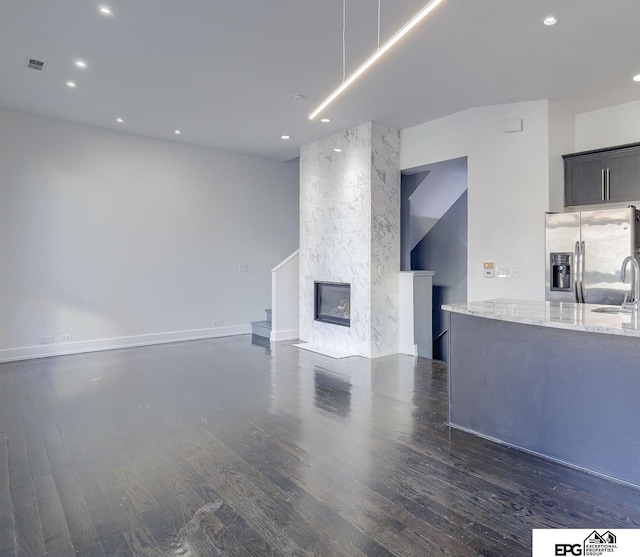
(561, 315)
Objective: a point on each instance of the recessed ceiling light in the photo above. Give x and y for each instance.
(337, 149)
(325, 120)
(285, 137)
(81, 64)
(636, 77)
(120, 120)
(177, 132)
(71, 84)
(550, 20)
(105, 10)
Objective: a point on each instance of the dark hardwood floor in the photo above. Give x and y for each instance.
(222, 447)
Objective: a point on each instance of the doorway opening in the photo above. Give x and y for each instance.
(433, 235)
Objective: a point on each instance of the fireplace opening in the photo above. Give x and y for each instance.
(333, 303)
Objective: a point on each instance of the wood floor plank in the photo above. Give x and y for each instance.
(201, 525)
(222, 525)
(102, 505)
(29, 539)
(81, 528)
(8, 533)
(142, 543)
(254, 543)
(55, 530)
(169, 519)
(36, 453)
(259, 511)
(28, 531)
(7, 515)
(173, 529)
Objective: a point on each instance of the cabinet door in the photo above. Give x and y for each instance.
(583, 180)
(624, 174)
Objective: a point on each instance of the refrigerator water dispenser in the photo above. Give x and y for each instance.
(560, 278)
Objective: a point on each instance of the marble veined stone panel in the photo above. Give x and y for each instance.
(385, 239)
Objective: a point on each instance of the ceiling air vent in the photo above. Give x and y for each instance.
(35, 64)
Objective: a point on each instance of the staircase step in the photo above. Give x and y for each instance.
(261, 328)
(257, 340)
(268, 312)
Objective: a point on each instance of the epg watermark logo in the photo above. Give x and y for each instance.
(585, 543)
(594, 544)
(568, 549)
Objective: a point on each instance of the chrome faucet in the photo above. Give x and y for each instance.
(635, 303)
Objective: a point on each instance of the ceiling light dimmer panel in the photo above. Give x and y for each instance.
(35, 64)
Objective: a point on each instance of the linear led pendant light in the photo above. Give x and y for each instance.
(424, 12)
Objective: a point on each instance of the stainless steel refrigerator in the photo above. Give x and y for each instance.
(584, 254)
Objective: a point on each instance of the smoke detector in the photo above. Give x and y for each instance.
(35, 64)
(298, 97)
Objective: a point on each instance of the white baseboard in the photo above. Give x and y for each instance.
(289, 334)
(97, 345)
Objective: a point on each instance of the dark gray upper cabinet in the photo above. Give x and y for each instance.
(624, 174)
(602, 176)
(584, 179)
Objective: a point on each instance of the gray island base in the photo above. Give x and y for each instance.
(552, 378)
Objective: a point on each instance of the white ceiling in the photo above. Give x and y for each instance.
(225, 71)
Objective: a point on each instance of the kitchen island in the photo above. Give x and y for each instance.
(553, 378)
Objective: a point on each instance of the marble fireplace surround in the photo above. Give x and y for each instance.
(350, 233)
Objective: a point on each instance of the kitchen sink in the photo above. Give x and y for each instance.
(611, 309)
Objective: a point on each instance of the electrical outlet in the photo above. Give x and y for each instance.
(66, 337)
(217, 322)
(515, 272)
(47, 340)
(243, 267)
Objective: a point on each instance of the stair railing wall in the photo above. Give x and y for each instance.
(285, 299)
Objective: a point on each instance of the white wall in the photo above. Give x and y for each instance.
(104, 234)
(508, 189)
(561, 142)
(607, 127)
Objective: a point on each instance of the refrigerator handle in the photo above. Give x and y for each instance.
(583, 297)
(576, 272)
(603, 179)
(608, 184)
